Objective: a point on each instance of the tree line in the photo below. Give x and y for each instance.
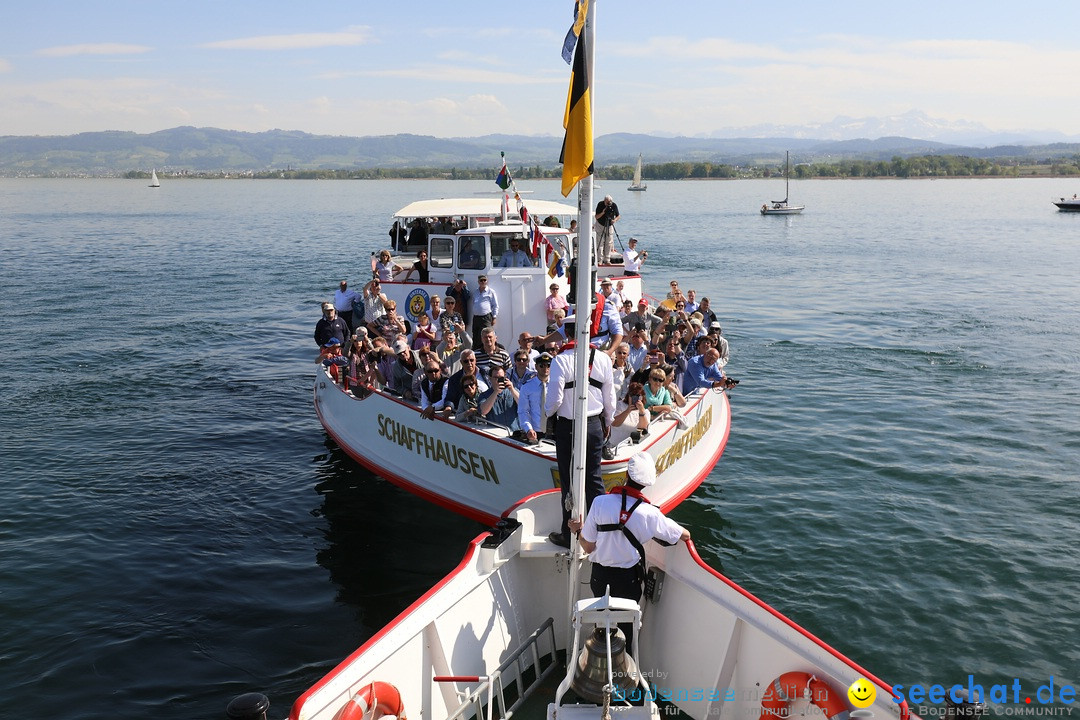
(900, 167)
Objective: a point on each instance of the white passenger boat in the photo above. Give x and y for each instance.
(498, 629)
(502, 625)
(481, 470)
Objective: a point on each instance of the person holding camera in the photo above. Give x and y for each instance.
(634, 259)
(607, 214)
(499, 403)
(704, 371)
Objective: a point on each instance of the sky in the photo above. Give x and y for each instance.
(460, 68)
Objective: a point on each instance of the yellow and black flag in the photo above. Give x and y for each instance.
(577, 150)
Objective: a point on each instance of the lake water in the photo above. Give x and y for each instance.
(176, 528)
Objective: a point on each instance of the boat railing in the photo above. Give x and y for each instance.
(493, 687)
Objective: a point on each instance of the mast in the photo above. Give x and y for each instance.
(787, 175)
(582, 302)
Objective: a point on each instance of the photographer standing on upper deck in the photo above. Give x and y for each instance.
(607, 214)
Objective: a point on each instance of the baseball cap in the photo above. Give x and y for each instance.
(400, 346)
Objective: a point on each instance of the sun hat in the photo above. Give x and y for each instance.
(642, 469)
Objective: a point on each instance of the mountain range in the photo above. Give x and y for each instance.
(213, 150)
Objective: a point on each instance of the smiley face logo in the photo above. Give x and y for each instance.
(861, 693)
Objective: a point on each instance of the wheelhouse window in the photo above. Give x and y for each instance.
(472, 252)
(500, 243)
(441, 254)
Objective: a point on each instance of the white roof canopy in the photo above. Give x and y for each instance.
(480, 207)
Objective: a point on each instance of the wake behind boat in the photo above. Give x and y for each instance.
(479, 470)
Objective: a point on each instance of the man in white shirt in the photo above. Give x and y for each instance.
(343, 303)
(616, 529)
(633, 260)
(600, 411)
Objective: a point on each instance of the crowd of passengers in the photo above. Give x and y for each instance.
(660, 355)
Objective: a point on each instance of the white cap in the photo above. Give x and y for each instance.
(642, 469)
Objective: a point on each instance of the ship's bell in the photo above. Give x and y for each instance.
(591, 675)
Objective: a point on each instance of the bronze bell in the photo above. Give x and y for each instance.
(592, 676)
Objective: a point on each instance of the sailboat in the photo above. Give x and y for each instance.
(490, 639)
(783, 207)
(636, 185)
(154, 182)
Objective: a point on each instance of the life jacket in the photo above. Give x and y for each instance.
(624, 517)
(597, 315)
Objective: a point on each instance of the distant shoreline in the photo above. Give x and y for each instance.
(240, 176)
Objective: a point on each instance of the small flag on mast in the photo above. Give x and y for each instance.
(503, 178)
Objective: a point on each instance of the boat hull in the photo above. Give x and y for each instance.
(1067, 205)
(707, 645)
(480, 473)
(777, 209)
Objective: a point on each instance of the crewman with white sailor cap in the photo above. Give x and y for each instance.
(616, 530)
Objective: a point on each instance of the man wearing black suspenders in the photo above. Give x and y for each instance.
(600, 411)
(616, 530)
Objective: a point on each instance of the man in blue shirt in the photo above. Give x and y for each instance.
(702, 371)
(532, 417)
(485, 309)
(515, 256)
(499, 403)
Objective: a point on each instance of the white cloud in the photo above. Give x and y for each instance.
(94, 49)
(299, 41)
(453, 74)
(720, 82)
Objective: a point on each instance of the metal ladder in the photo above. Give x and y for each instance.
(492, 686)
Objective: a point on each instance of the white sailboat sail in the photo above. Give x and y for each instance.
(154, 182)
(636, 184)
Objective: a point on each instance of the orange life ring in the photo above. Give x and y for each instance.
(794, 685)
(373, 701)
